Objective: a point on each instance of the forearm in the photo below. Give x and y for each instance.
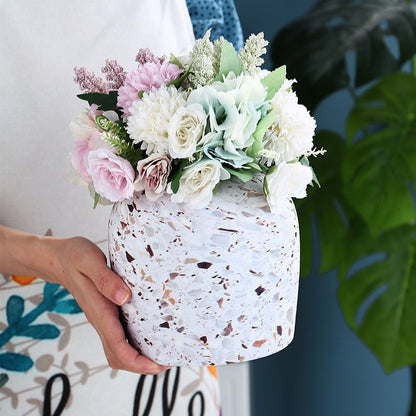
(24, 254)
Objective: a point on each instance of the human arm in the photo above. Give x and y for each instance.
(81, 267)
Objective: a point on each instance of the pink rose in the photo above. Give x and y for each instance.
(79, 158)
(87, 138)
(112, 176)
(152, 175)
(147, 76)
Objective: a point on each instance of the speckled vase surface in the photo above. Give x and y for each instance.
(210, 286)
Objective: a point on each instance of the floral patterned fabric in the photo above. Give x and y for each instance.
(51, 363)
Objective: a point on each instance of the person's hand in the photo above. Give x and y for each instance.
(81, 267)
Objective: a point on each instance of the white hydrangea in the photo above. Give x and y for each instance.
(150, 118)
(291, 136)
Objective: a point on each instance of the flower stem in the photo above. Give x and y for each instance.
(412, 409)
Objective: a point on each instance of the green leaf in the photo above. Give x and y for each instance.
(274, 81)
(258, 135)
(174, 60)
(97, 197)
(133, 155)
(229, 62)
(378, 300)
(315, 47)
(244, 174)
(105, 102)
(178, 82)
(176, 175)
(377, 169)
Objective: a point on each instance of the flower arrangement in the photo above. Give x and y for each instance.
(181, 125)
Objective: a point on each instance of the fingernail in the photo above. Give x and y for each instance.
(121, 296)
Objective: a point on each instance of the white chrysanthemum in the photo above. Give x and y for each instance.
(291, 136)
(149, 121)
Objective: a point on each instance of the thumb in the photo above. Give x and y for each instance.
(111, 286)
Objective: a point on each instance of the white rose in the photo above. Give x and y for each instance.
(198, 181)
(185, 130)
(287, 180)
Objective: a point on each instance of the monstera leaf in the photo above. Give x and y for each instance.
(327, 213)
(377, 289)
(323, 199)
(378, 300)
(379, 169)
(315, 47)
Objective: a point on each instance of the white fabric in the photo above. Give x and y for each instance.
(41, 41)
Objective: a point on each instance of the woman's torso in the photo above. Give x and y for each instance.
(41, 42)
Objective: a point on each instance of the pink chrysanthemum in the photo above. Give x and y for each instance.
(147, 76)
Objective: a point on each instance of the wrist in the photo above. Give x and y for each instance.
(27, 254)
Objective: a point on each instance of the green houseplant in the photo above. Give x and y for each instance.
(365, 211)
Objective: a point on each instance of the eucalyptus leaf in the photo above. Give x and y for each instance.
(378, 168)
(315, 47)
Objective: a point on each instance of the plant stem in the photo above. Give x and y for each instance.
(412, 409)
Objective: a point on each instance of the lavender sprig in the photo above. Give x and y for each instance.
(114, 74)
(146, 55)
(89, 82)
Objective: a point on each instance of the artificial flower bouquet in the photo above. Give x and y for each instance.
(212, 130)
(182, 124)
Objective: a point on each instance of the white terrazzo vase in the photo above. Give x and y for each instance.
(211, 286)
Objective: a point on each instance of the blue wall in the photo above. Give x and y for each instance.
(327, 370)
